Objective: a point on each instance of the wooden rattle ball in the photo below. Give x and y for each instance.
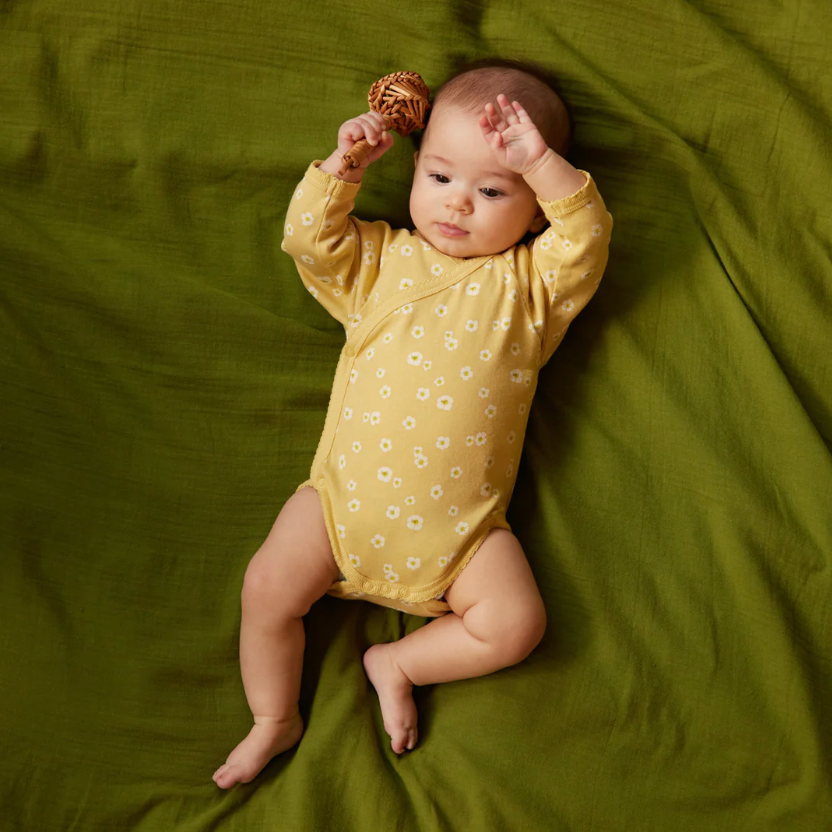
(402, 101)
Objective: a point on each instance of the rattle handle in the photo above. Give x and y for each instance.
(357, 154)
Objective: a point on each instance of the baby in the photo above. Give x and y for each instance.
(447, 329)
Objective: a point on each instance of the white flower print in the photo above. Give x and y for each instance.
(596, 230)
(354, 505)
(410, 501)
(385, 445)
(515, 348)
(417, 331)
(545, 243)
(453, 511)
(368, 245)
(472, 289)
(522, 409)
(369, 258)
(342, 461)
(414, 359)
(568, 305)
(466, 373)
(436, 492)
(449, 334)
(377, 540)
(417, 450)
(567, 244)
(451, 343)
(489, 264)
(414, 563)
(388, 337)
(353, 376)
(489, 461)
(436, 269)
(341, 529)
(495, 326)
(587, 274)
(391, 576)
(385, 473)
(456, 472)
(469, 441)
(472, 326)
(313, 291)
(421, 461)
(307, 218)
(506, 278)
(439, 381)
(427, 363)
(443, 442)
(409, 422)
(423, 394)
(405, 283)
(485, 355)
(443, 561)
(370, 353)
(308, 260)
(289, 229)
(512, 296)
(407, 309)
(550, 277)
(380, 372)
(441, 310)
(375, 417)
(415, 522)
(385, 392)
(516, 376)
(461, 527)
(407, 250)
(393, 512)
(397, 482)
(392, 247)
(480, 438)
(495, 492)
(425, 245)
(484, 391)
(351, 485)
(505, 323)
(444, 402)
(485, 489)
(366, 416)
(490, 411)
(355, 561)
(511, 436)
(337, 293)
(356, 447)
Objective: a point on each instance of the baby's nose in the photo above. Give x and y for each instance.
(459, 201)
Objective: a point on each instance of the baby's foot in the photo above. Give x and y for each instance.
(268, 738)
(395, 695)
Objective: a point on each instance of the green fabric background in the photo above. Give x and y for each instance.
(164, 378)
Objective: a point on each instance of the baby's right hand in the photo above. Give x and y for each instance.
(369, 126)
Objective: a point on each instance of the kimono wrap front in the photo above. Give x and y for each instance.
(428, 410)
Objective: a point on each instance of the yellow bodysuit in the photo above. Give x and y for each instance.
(428, 411)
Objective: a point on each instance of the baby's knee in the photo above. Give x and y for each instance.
(519, 631)
(266, 590)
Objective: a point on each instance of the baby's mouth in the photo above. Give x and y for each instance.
(447, 229)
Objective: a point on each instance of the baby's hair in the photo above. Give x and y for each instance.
(478, 82)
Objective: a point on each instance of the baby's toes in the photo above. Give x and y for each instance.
(412, 737)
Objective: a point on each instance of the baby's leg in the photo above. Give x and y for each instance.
(292, 569)
(497, 619)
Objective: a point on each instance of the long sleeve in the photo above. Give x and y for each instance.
(337, 256)
(567, 262)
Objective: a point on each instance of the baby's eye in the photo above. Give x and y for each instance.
(491, 193)
(440, 178)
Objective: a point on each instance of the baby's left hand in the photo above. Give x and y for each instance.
(512, 136)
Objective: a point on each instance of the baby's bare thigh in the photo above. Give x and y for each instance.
(298, 544)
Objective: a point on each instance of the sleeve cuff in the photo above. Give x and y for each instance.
(328, 183)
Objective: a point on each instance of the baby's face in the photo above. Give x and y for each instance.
(463, 202)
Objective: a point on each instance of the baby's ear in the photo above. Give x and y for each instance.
(539, 221)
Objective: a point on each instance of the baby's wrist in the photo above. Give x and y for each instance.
(333, 165)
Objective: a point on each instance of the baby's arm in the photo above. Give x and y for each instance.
(566, 262)
(337, 255)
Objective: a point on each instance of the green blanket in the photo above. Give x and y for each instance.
(164, 377)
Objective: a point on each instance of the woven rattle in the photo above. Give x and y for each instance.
(402, 100)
